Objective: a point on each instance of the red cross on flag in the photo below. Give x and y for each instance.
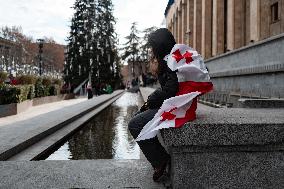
(194, 81)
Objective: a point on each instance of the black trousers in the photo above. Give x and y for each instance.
(152, 148)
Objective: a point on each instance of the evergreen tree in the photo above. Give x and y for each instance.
(92, 43)
(131, 50)
(106, 40)
(80, 51)
(145, 48)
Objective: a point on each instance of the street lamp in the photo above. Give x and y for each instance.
(2, 62)
(40, 46)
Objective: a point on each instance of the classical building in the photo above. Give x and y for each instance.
(133, 71)
(214, 27)
(242, 42)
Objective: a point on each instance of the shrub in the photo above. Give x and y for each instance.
(39, 88)
(54, 90)
(14, 94)
(8, 94)
(26, 80)
(46, 81)
(57, 82)
(24, 91)
(3, 77)
(31, 93)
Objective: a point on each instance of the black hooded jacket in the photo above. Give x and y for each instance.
(162, 42)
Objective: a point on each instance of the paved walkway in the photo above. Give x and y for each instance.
(99, 174)
(20, 129)
(39, 110)
(17, 129)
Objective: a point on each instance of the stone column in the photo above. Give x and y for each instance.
(254, 20)
(197, 25)
(264, 19)
(218, 27)
(236, 24)
(206, 28)
(190, 15)
(177, 27)
(184, 21)
(180, 24)
(174, 26)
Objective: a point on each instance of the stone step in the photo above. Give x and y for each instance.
(77, 174)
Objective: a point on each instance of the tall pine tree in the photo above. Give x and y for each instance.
(131, 50)
(106, 39)
(145, 47)
(92, 43)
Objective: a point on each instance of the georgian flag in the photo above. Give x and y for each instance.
(194, 81)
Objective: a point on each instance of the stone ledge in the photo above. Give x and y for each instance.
(261, 103)
(99, 174)
(16, 108)
(250, 71)
(228, 148)
(229, 127)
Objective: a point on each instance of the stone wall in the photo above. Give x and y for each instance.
(255, 71)
(16, 108)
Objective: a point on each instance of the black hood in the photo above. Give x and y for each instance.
(162, 41)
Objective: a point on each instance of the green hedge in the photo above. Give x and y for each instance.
(26, 79)
(15, 94)
(39, 89)
(43, 87)
(31, 87)
(3, 77)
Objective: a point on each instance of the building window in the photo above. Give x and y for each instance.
(274, 13)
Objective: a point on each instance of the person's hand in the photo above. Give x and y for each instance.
(144, 107)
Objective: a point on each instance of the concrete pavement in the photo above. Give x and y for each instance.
(97, 174)
(22, 130)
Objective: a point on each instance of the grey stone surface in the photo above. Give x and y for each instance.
(262, 103)
(15, 108)
(256, 69)
(77, 174)
(18, 135)
(263, 170)
(228, 148)
(229, 126)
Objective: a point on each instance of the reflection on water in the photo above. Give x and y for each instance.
(106, 136)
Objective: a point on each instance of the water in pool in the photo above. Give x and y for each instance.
(106, 136)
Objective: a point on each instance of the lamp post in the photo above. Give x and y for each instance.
(2, 62)
(40, 46)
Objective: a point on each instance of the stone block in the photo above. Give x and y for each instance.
(261, 103)
(228, 148)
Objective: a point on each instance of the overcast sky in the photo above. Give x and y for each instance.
(51, 18)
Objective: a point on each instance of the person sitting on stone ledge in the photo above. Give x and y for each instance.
(183, 77)
(161, 42)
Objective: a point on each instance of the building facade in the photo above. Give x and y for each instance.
(242, 42)
(214, 27)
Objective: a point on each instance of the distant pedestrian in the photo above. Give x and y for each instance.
(89, 92)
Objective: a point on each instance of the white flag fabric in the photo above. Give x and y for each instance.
(194, 81)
